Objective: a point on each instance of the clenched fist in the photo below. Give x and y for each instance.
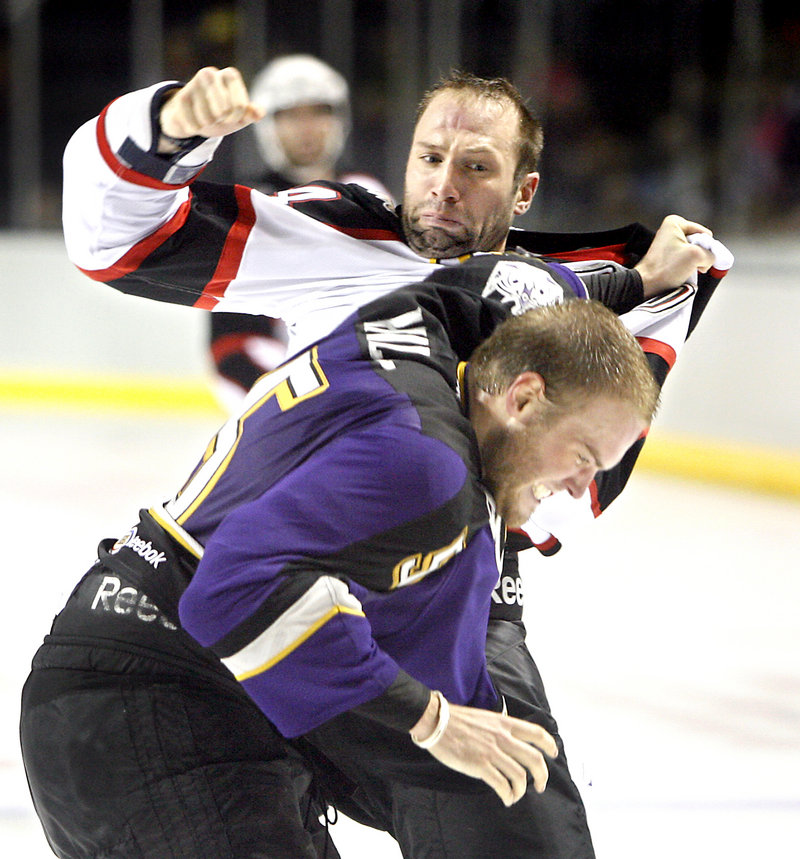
(214, 103)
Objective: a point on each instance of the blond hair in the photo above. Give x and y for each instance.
(580, 348)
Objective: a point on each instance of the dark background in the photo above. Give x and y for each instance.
(649, 107)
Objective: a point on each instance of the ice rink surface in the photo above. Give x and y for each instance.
(668, 637)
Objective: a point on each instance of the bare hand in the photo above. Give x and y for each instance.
(214, 103)
(498, 749)
(671, 260)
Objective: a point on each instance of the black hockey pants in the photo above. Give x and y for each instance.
(126, 767)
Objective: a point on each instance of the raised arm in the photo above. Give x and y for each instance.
(136, 217)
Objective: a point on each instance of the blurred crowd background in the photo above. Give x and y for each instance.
(649, 106)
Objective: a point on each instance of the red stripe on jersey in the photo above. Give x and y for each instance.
(616, 253)
(366, 234)
(119, 169)
(596, 508)
(141, 250)
(519, 531)
(231, 256)
(228, 345)
(548, 544)
(656, 347)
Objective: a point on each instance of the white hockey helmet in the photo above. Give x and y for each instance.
(291, 81)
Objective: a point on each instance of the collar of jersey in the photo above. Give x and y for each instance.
(463, 258)
(463, 386)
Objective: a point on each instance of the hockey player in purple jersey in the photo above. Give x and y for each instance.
(334, 551)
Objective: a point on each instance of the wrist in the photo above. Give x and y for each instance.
(652, 284)
(168, 145)
(165, 143)
(433, 723)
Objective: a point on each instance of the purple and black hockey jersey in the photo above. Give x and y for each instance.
(344, 528)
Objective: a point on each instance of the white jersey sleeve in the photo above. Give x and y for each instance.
(107, 206)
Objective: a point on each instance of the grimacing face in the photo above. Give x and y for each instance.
(525, 463)
(460, 193)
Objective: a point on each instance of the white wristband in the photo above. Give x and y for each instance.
(441, 724)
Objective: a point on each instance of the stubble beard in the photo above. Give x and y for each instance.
(438, 243)
(501, 453)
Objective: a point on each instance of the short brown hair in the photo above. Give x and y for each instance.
(580, 348)
(531, 136)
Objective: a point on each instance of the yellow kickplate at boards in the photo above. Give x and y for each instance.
(745, 466)
(31, 390)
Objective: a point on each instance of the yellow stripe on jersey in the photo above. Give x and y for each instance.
(463, 390)
(325, 599)
(176, 532)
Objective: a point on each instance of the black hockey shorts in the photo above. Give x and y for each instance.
(132, 766)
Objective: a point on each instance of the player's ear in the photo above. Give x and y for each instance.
(526, 193)
(525, 397)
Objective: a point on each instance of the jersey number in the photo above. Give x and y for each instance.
(290, 384)
(306, 194)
